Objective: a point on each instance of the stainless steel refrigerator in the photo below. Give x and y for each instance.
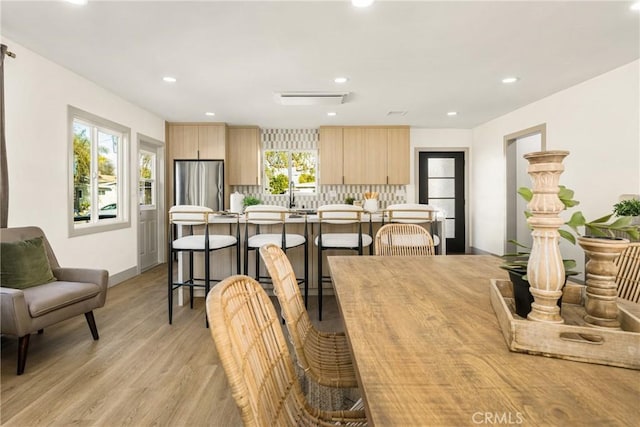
(199, 182)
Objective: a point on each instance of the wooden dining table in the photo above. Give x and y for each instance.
(428, 351)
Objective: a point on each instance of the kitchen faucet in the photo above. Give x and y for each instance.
(292, 199)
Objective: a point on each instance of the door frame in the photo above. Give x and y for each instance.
(416, 180)
(159, 147)
(510, 224)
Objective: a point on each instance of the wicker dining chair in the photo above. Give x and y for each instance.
(403, 240)
(257, 362)
(628, 278)
(324, 356)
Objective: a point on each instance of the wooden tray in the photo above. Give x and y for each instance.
(573, 340)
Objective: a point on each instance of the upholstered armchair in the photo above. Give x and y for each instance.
(26, 304)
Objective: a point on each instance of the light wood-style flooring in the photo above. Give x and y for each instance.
(142, 371)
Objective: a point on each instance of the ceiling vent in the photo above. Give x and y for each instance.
(311, 98)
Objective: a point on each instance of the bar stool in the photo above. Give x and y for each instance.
(270, 216)
(190, 216)
(339, 215)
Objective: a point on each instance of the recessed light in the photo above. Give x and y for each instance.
(508, 80)
(169, 79)
(635, 6)
(331, 113)
(452, 113)
(79, 2)
(362, 3)
(341, 80)
(208, 113)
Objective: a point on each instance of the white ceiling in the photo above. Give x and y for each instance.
(424, 57)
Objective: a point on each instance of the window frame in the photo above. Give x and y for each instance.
(265, 179)
(122, 220)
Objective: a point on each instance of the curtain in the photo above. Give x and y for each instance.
(4, 176)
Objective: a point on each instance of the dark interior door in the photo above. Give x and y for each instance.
(441, 184)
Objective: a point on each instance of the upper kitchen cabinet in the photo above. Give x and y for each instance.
(365, 151)
(330, 155)
(212, 142)
(243, 155)
(398, 153)
(364, 155)
(196, 141)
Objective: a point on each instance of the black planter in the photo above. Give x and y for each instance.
(522, 296)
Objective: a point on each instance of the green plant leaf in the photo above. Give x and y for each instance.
(526, 193)
(569, 263)
(515, 242)
(633, 232)
(576, 220)
(621, 222)
(567, 236)
(566, 197)
(601, 220)
(596, 231)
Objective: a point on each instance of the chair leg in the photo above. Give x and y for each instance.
(246, 259)
(170, 283)
(257, 265)
(207, 278)
(92, 325)
(319, 283)
(238, 257)
(306, 275)
(23, 346)
(191, 279)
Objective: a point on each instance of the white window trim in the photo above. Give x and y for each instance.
(124, 220)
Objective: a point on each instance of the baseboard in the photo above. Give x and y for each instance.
(476, 251)
(122, 276)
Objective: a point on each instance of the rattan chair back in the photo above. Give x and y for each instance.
(324, 356)
(403, 240)
(628, 278)
(255, 357)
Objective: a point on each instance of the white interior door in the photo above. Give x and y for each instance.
(148, 241)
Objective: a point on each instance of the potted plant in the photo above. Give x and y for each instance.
(629, 208)
(250, 200)
(516, 263)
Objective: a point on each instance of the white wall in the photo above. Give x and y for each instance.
(598, 121)
(37, 92)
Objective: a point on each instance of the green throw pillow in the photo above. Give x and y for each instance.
(24, 263)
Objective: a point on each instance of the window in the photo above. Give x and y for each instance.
(290, 170)
(98, 174)
(147, 180)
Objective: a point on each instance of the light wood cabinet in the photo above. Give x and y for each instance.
(196, 141)
(366, 155)
(243, 155)
(398, 153)
(212, 142)
(330, 154)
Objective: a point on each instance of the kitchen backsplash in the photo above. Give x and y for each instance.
(307, 139)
